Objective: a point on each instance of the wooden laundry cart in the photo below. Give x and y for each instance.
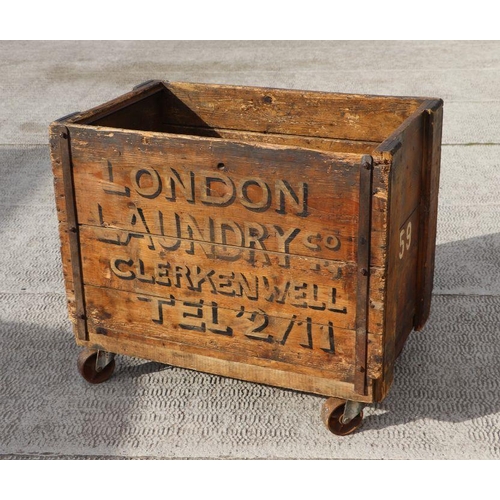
(282, 237)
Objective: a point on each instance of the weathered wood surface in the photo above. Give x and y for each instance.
(132, 108)
(318, 114)
(276, 373)
(254, 370)
(407, 144)
(68, 227)
(225, 238)
(153, 228)
(323, 291)
(172, 172)
(314, 114)
(428, 210)
(225, 333)
(301, 141)
(168, 235)
(363, 271)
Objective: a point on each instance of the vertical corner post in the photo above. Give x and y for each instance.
(73, 231)
(429, 182)
(363, 272)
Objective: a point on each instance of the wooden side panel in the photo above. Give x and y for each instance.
(237, 251)
(403, 243)
(428, 211)
(319, 114)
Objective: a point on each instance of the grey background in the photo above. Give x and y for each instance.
(445, 401)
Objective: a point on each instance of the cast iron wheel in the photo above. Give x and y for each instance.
(331, 414)
(86, 367)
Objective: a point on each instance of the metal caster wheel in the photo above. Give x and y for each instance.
(342, 417)
(96, 366)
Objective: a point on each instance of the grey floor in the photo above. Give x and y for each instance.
(445, 401)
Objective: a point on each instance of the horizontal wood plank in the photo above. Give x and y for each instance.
(313, 288)
(316, 114)
(253, 370)
(302, 141)
(224, 333)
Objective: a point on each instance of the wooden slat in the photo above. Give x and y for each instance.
(275, 375)
(144, 114)
(317, 114)
(118, 104)
(55, 155)
(224, 333)
(428, 211)
(60, 201)
(363, 271)
(70, 233)
(321, 144)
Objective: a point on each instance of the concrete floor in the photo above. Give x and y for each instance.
(445, 401)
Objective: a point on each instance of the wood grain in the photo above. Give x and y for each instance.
(312, 288)
(269, 166)
(405, 148)
(302, 141)
(218, 229)
(120, 106)
(143, 265)
(317, 114)
(224, 333)
(428, 210)
(59, 155)
(252, 371)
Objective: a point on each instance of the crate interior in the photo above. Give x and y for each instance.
(323, 121)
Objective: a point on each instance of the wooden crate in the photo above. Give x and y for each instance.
(276, 236)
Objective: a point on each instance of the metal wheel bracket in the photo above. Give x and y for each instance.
(103, 359)
(351, 411)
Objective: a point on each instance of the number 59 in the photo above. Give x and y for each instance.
(404, 240)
